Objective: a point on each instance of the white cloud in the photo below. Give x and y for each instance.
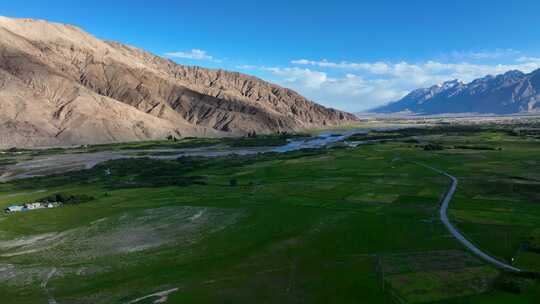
(357, 86)
(194, 54)
(375, 67)
(528, 59)
(427, 70)
(348, 92)
(304, 78)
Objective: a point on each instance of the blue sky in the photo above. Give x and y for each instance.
(352, 55)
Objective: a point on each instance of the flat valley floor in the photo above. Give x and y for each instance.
(334, 225)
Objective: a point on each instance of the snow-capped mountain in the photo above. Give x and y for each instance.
(509, 93)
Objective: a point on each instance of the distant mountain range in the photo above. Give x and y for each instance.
(510, 93)
(62, 86)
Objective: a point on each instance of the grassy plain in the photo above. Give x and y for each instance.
(320, 226)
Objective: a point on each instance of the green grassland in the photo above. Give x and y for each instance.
(344, 225)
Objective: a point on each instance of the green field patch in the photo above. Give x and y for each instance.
(247, 172)
(528, 260)
(429, 192)
(502, 206)
(495, 218)
(428, 261)
(439, 285)
(375, 158)
(534, 240)
(412, 199)
(371, 197)
(399, 181)
(323, 158)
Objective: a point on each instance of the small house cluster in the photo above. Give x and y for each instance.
(31, 206)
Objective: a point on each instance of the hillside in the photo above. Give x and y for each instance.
(62, 86)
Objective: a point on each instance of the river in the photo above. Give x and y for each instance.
(58, 163)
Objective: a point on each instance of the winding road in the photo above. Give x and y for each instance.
(455, 232)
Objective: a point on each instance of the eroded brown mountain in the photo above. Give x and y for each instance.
(62, 86)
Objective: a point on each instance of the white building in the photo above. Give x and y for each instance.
(32, 206)
(14, 208)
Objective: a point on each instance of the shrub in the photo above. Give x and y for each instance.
(433, 147)
(512, 283)
(67, 199)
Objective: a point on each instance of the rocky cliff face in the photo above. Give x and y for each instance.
(62, 86)
(510, 93)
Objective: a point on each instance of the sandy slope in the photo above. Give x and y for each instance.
(62, 86)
